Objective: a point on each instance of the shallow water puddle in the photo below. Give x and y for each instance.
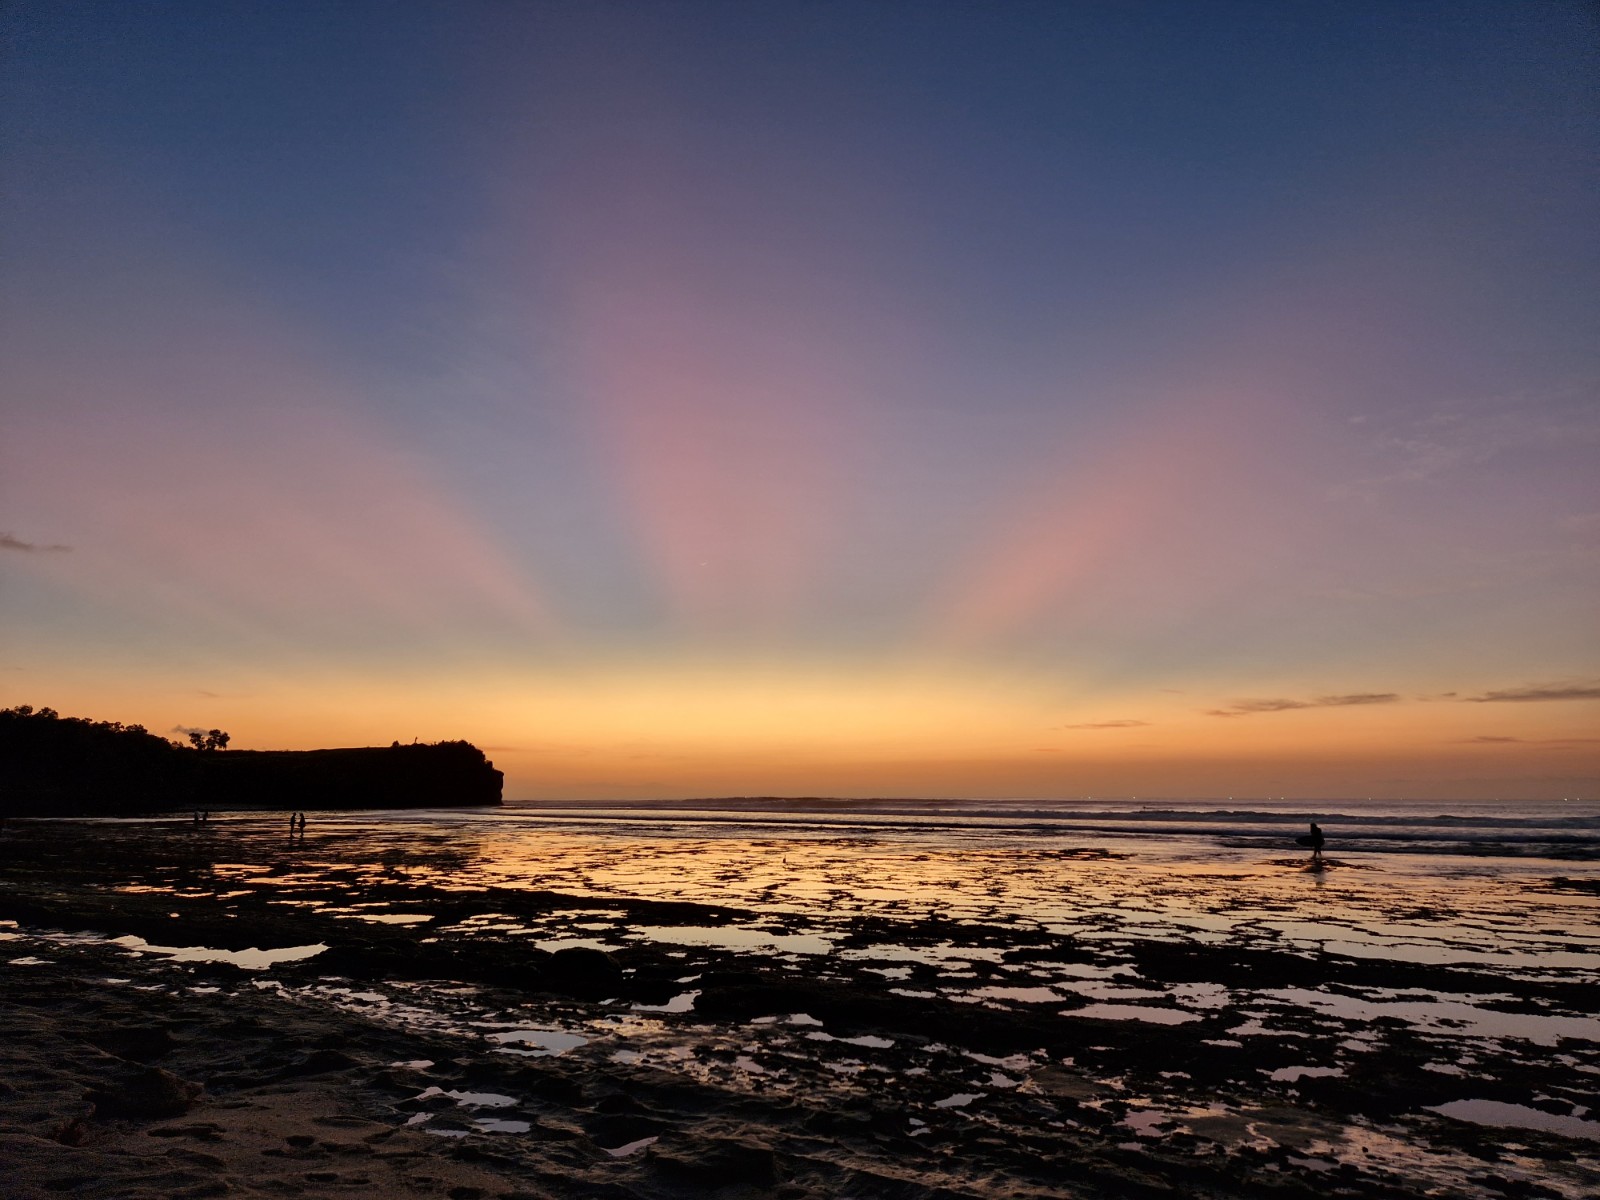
(678, 1004)
(497, 1125)
(469, 1099)
(736, 938)
(1454, 1017)
(1021, 995)
(1110, 991)
(632, 1147)
(1133, 1012)
(1147, 1122)
(1294, 1074)
(381, 918)
(932, 956)
(548, 1041)
(249, 960)
(1517, 1116)
(551, 945)
(867, 1040)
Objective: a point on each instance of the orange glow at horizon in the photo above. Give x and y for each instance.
(688, 731)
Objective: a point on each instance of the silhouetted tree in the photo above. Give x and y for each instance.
(212, 739)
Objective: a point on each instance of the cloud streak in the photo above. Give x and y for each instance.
(1126, 724)
(1541, 691)
(1491, 739)
(1245, 708)
(10, 542)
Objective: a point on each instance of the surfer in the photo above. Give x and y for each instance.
(1315, 842)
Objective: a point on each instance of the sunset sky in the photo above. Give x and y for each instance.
(891, 399)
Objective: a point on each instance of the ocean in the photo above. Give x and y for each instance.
(1568, 829)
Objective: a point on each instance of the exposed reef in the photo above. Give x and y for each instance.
(225, 1010)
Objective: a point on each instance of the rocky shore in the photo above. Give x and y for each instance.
(171, 1026)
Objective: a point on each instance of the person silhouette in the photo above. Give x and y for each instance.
(1316, 840)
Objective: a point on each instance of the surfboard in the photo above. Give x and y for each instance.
(1308, 840)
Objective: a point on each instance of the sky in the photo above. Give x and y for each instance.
(823, 398)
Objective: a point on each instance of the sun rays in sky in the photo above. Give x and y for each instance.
(814, 399)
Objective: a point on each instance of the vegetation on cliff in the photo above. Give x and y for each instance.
(52, 765)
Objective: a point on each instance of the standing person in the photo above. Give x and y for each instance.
(1316, 841)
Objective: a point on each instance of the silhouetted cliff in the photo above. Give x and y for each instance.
(52, 765)
(414, 776)
(55, 765)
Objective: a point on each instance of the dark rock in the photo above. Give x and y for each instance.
(138, 1042)
(397, 1079)
(584, 972)
(319, 1062)
(152, 1094)
(716, 1164)
(205, 1131)
(70, 1133)
(740, 995)
(547, 1085)
(620, 1130)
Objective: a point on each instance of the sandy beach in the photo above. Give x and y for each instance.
(513, 1005)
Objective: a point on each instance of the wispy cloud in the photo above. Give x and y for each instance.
(1542, 691)
(1125, 724)
(1245, 708)
(1412, 448)
(9, 542)
(1490, 739)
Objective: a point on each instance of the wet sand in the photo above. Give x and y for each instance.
(589, 1012)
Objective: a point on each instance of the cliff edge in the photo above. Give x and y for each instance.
(55, 766)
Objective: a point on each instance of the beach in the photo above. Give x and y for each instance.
(792, 1000)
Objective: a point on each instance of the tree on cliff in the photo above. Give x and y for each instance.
(211, 739)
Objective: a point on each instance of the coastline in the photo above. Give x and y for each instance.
(916, 1064)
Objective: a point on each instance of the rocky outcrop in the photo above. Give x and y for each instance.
(438, 774)
(58, 766)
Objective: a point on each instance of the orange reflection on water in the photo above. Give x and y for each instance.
(1408, 908)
